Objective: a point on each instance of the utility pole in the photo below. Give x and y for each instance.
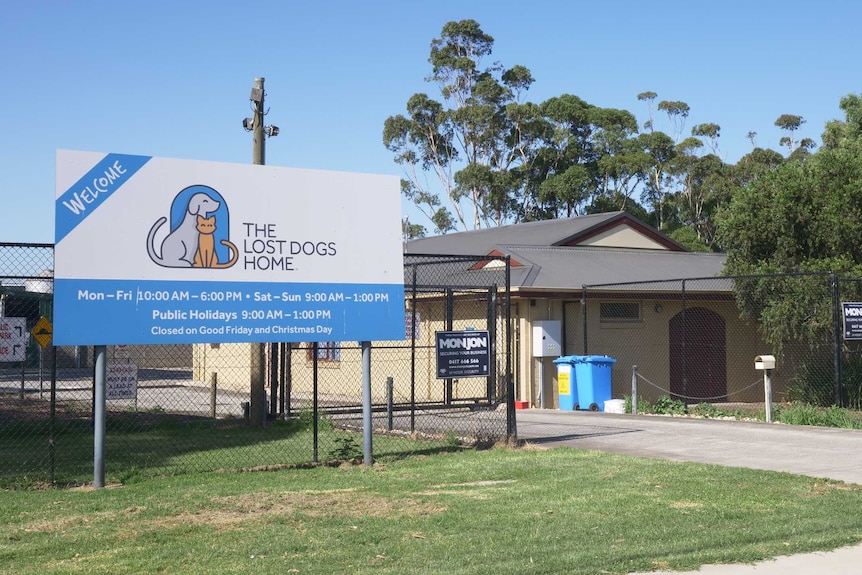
(257, 407)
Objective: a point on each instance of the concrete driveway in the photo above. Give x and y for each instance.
(804, 450)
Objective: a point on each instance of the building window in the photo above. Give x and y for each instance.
(617, 312)
(326, 351)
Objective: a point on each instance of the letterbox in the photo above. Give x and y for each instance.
(764, 362)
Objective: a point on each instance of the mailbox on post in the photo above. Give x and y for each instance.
(766, 363)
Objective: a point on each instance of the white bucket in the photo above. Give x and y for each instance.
(615, 406)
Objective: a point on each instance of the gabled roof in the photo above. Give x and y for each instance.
(560, 232)
(567, 254)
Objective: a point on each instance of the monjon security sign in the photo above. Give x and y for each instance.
(463, 354)
(156, 250)
(852, 314)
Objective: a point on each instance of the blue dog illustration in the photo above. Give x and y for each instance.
(179, 247)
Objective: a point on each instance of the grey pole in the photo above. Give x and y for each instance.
(634, 390)
(259, 143)
(101, 376)
(257, 403)
(368, 456)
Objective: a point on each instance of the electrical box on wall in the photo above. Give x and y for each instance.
(547, 335)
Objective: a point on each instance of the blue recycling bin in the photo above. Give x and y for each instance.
(566, 384)
(593, 375)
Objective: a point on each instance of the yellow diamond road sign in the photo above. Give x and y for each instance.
(43, 332)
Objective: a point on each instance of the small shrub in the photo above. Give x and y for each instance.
(835, 416)
(851, 381)
(708, 410)
(450, 438)
(346, 447)
(665, 405)
(643, 405)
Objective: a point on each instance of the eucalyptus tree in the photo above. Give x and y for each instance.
(711, 132)
(648, 97)
(796, 149)
(755, 163)
(677, 114)
(565, 161)
(847, 132)
(661, 151)
(470, 140)
(621, 165)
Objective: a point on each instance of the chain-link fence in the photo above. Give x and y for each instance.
(696, 339)
(185, 408)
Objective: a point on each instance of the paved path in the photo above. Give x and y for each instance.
(804, 450)
(813, 451)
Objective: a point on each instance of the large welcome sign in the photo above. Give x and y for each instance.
(156, 250)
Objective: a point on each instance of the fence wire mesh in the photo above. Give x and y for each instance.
(187, 409)
(695, 340)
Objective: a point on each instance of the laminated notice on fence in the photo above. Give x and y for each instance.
(852, 314)
(463, 354)
(122, 381)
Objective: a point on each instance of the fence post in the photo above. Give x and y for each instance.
(634, 390)
(99, 408)
(584, 315)
(367, 447)
(213, 394)
(390, 390)
(767, 392)
(836, 337)
(52, 421)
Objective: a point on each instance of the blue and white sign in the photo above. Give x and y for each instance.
(157, 250)
(852, 314)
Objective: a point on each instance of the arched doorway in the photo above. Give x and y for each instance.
(698, 355)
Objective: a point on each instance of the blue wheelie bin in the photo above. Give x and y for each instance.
(593, 374)
(566, 385)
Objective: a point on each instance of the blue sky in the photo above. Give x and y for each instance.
(172, 79)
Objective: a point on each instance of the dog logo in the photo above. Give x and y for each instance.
(199, 232)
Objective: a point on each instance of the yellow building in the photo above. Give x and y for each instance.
(616, 287)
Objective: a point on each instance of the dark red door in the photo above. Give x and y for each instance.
(698, 371)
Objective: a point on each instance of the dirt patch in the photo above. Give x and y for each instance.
(235, 512)
(467, 489)
(333, 503)
(685, 504)
(484, 483)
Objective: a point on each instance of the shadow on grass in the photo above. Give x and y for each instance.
(152, 444)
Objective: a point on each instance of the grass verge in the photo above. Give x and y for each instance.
(471, 512)
(792, 413)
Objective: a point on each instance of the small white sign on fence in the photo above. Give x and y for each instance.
(122, 381)
(13, 338)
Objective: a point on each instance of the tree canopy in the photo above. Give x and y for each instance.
(494, 157)
(796, 217)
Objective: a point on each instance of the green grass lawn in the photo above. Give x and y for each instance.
(172, 448)
(499, 511)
